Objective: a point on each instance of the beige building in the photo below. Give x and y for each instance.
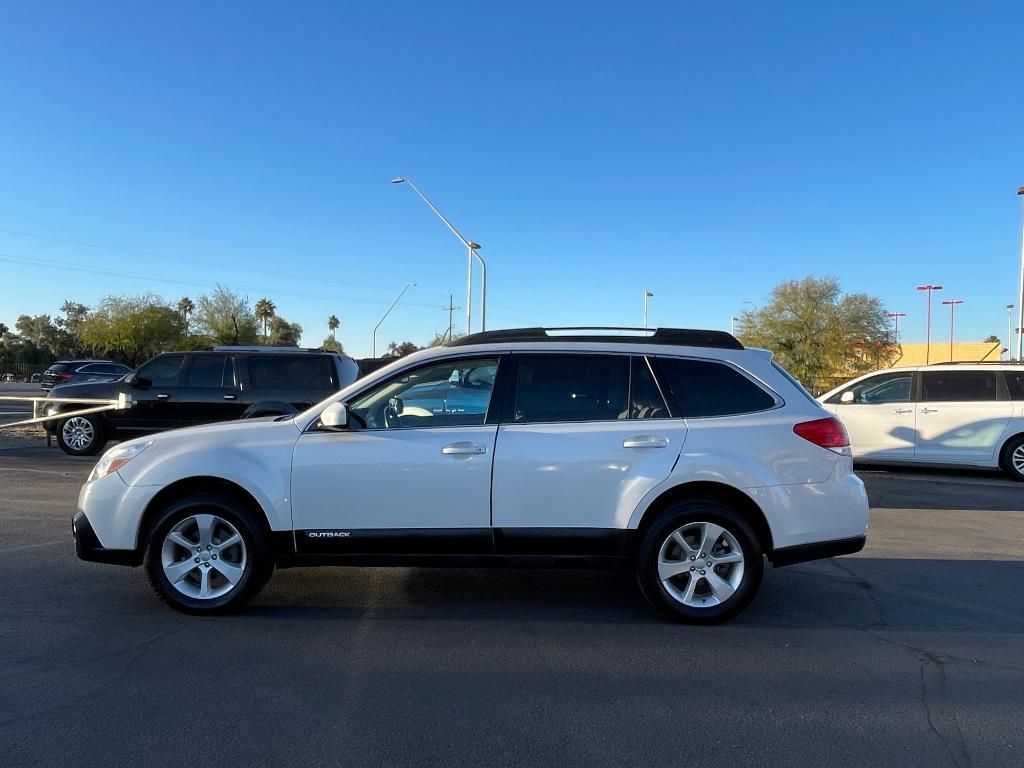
(963, 351)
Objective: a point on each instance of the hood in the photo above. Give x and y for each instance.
(103, 390)
(230, 433)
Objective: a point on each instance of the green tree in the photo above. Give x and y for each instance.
(283, 333)
(185, 309)
(820, 334)
(133, 328)
(401, 350)
(993, 339)
(224, 317)
(333, 323)
(265, 310)
(331, 344)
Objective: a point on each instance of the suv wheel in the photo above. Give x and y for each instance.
(699, 562)
(207, 554)
(1012, 458)
(81, 435)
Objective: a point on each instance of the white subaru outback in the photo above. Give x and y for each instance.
(676, 453)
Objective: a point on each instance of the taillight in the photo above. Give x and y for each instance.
(828, 433)
(63, 376)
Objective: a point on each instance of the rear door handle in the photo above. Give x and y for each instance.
(162, 396)
(463, 449)
(645, 441)
(904, 410)
(929, 410)
(229, 397)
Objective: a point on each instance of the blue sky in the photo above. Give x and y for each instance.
(704, 151)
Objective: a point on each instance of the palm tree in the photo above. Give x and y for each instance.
(265, 310)
(333, 323)
(185, 309)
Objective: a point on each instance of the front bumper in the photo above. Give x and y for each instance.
(88, 547)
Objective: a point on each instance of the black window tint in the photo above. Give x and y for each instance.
(58, 368)
(703, 388)
(646, 401)
(207, 371)
(571, 388)
(306, 372)
(883, 388)
(163, 371)
(958, 386)
(1015, 383)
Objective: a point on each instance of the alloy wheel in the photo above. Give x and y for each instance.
(78, 433)
(203, 557)
(701, 564)
(1017, 459)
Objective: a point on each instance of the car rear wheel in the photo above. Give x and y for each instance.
(81, 435)
(699, 562)
(1012, 458)
(207, 554)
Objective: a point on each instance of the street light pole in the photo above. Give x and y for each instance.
(1020, 293)
(393, 303)
(1009, 332)
(472, 249)
(952, 305)
(647, 295)
(928, 332)
(896, 324)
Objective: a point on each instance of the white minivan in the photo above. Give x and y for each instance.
(958, 414)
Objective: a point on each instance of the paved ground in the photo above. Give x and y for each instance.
(910, 654)
(11, 411)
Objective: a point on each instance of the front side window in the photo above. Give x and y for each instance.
(884, 388)
(453, 393)
(702, 388)
(163, 371)
(551, 388)
(283, 371)
(207, 371)
(958, 386)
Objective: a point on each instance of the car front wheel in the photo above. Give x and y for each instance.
(207, 554)
(699, 562)
(81, 435)
(1012, 459)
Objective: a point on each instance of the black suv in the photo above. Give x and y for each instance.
(182, 389)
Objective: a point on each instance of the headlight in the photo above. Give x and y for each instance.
(116, 458)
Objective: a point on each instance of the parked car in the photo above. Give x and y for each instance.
(968, 415)
(8, 377)
(78, 371)
(679, 455)
(36, 378)
(181, 389)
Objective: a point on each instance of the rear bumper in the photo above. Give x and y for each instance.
(88, 547)
(802, 553)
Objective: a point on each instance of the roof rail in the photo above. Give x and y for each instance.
(981, 362)
(683, 337)
(260, 348)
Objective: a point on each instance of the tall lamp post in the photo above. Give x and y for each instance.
(952, 305)
(928, 332)
(1020, 293)
(1009, 332)
(393, 303)
(471, 249)
(896, 324)
(647, 295)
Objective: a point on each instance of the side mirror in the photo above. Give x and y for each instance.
(334, 416)
(847, 397)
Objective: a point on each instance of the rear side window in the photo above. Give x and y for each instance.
(1015, 383)
(112, 368)
(645, 400)
(702, 388)
(305, 372)
(553, 388)
(958, 386)
(207, 371)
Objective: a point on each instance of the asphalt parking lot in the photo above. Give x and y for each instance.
(910, 653)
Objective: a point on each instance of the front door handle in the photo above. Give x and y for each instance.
(229, 397)
(463, 449)
(645, 441)
(904, 410)
(929, 410)
(162, 396)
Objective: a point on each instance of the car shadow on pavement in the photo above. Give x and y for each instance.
(841, 593)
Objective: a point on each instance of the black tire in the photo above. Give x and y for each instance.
(258, 559)
(657, 534)
(92, 447)
(1006, 457)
